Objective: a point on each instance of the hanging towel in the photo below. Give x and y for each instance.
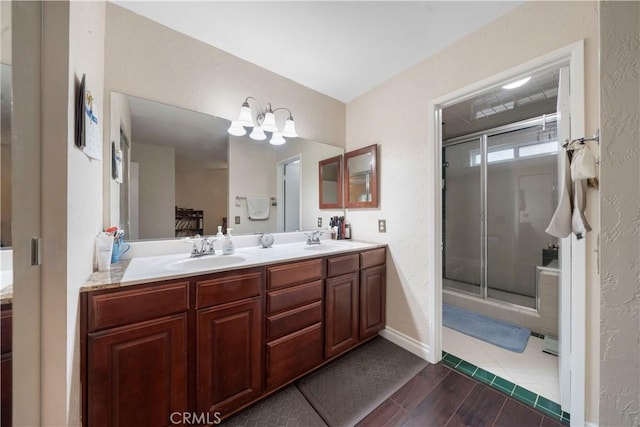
(258, 207)
(569, 215)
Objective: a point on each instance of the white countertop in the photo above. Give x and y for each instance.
(153, 268)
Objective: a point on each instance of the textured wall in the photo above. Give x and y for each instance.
(620, 193)
(395, 115)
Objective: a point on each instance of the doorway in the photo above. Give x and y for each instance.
(289, 176)
(572, 275)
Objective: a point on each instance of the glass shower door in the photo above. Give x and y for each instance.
(521, 198)
(461, 216)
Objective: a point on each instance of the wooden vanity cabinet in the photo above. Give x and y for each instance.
(217, 343)
(136, 359)
(294, 330)
(6, 320)
(355, 299)
(229, 340)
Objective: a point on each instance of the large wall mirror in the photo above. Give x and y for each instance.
(361, 178)
(330, 183)
(183, 174)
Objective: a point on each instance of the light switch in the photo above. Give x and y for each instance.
(382, 226)
(237, 220)
(319, 221)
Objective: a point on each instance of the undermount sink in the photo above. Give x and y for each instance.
(206, 262)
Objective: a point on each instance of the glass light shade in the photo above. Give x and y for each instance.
(289, 130)
(277, 139)
(258, 134)
(517, 83)
(269, 123)
(245, 118)
(236, 129)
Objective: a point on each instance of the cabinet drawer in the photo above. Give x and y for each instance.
(297, 272)
(225, 287)
(293, 320)
(337, 266)
(293, 355)
(373, 257)
(285, 299)
(131, 306)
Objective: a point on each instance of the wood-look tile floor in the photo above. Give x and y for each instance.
(439, 396)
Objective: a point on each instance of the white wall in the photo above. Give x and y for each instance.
(395, 115)
(148, 60)
(156, 190)
(204, 190)
(252, 172)
(620, 241)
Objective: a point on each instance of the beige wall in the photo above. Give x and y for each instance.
(395, 115)
(252, 172)
(148, 60)
(620, 240)
(204, 190)
(156, 190)
(5, 202)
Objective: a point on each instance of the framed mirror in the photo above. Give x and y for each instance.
(361, 178)
(330, 183)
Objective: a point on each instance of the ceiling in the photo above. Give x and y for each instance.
(498, 106)
(339, 48)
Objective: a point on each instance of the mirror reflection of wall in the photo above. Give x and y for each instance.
(330, 173)
(178, 163)
(184, 174)
(5, 155)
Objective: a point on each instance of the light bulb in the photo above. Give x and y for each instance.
(277, 139)
(236, 129)
(258, 134)
(269, 123)
(289, 130)
(246, 117)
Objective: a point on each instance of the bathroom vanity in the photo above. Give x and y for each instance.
(214, 342)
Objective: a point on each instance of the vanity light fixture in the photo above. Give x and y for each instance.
(517, 83)
(266, 122)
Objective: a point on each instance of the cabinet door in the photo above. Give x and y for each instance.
(5, 390)
(341, 313)
(229, 355)
(137, 374)
(372, 300)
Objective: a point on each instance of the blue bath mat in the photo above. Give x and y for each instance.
(496, 332)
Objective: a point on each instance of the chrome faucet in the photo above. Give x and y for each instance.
(205, 243)
(313, 238)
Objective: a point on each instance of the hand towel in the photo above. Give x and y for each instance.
(258, 207)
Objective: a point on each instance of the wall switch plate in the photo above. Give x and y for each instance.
(237, 220)
(319, 221)
(382, 226)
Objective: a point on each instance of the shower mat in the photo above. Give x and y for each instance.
(506, 335)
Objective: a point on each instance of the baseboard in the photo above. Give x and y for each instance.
(410, 344)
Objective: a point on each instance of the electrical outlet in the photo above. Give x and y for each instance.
(319, 221)
(237, 220)
(382, 226)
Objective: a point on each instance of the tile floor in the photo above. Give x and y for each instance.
(533, 370)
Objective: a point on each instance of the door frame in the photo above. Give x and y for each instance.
(280, 191)
(572, 54)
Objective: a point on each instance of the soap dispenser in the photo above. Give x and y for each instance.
(219, 239)
(227, 246)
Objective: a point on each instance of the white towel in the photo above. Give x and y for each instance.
(258, 207)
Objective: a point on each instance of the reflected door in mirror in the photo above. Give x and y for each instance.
(330, 179)
(361, 178)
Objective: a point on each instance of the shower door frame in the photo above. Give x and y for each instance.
(574, 276)
(483, 137)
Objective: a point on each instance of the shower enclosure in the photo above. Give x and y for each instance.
(499, 194)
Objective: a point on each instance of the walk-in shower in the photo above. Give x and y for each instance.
(499, 193)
